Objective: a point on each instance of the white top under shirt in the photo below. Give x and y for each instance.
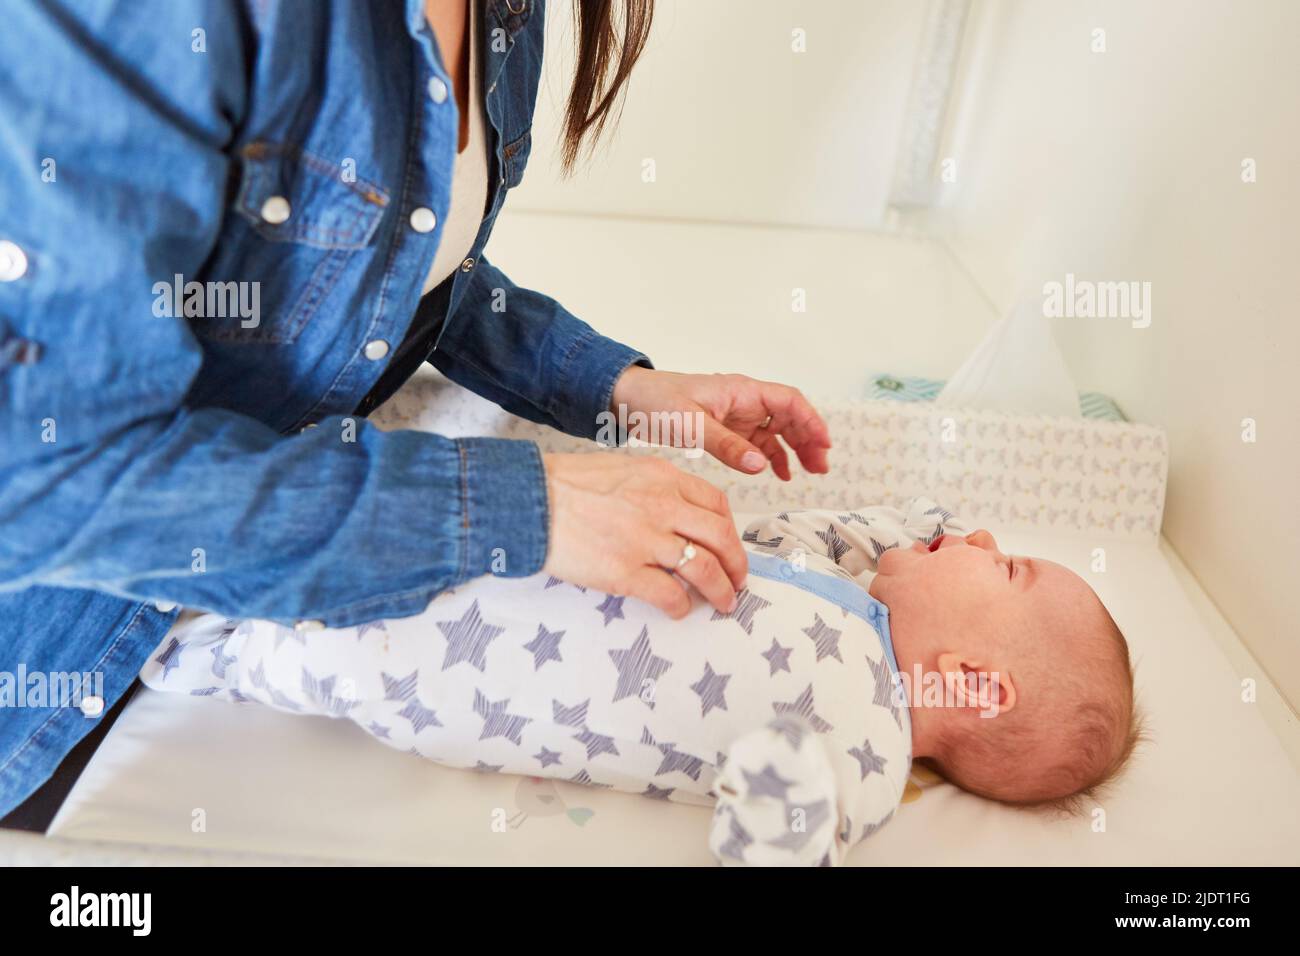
(469, 178)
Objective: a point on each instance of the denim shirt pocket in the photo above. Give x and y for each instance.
(297, 221)
(514, 157)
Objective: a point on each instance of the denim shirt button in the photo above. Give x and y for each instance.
(302, 627)
(276, 210)
(164, 607)
(376, 350)
(13, 261)
(423, 219)
(467, 264)
(437, 89)
(92, 706)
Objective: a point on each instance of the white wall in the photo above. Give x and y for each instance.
(1126, 165)
(741, 128)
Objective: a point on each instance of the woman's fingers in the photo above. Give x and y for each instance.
(730, 449)
(765, 439)
(704, 494)
(796, 421)
(703, 571)
(658, 587)
(709, 530)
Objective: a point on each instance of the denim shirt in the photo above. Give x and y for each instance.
(157, 445)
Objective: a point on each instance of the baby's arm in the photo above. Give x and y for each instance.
(854, 539)
(786, 797)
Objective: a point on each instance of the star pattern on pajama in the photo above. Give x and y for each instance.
(791, 728)
(770, 544)
(419, 715)
(170, 658)
(468, 639)
(879, 548)
(584, 778)
(399, 688)
(574, 716)
(868, 760)
(220, 661)
(547, 757)
(778, 658)
(825, 638)
(611, 608)
(779, 770)
(711, 689)
(885, 694)
(322, 692)
(836, 546)
(767, 783)
(498, 721)
(283, 634)
(596, 744)
(552, 581)
(747, 605)
(545, 647)
(803, 706)
(638, 669)
(737, 839)
(674, 759)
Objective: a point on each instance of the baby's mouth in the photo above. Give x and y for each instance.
(934, 545)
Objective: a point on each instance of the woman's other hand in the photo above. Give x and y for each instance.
(744, 420)
(620, 523)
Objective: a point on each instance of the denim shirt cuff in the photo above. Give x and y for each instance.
(591, 369)
(505, 518)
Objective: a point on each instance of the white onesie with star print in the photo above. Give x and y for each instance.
(784, 713)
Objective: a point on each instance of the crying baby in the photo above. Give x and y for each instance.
(863, 640)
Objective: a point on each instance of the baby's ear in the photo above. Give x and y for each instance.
(968, 683)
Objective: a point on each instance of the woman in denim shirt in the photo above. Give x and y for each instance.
(215, 222)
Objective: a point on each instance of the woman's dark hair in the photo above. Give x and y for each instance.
(602, 43)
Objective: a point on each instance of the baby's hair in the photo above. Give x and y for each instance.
(1099, 728)
(1092, 727)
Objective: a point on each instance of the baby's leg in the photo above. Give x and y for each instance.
(475, 681)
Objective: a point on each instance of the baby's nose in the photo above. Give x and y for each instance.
(981, 539)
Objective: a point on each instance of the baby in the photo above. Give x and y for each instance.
(862, 640)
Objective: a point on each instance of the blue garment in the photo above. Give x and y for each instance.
(150, 454)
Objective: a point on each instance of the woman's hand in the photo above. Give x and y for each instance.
(742, 417)
(620, 523)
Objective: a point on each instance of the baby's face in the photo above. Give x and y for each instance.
(968, 584)
(1057, 667)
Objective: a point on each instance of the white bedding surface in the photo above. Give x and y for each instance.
(1212, 787)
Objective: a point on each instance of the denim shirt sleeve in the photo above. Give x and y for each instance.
(527, 353)
(109, 479)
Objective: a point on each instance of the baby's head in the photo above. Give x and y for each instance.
(1038, 702)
